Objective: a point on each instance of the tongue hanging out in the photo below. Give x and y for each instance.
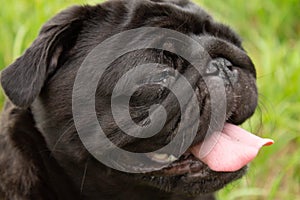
(229, 150)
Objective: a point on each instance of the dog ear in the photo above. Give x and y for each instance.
(23, 80)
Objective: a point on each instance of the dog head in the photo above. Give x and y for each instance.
(43, 80)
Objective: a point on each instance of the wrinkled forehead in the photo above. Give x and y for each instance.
(180, 15)
(165, 6)
(165, 13)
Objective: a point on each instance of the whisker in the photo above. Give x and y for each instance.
(84, 176)
(61, 136)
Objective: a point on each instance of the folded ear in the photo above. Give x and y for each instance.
(23, 80)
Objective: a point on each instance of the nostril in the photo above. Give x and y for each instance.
(228, 64)
(224, 63)
(230, 67)
(222, 68)
(218, 64)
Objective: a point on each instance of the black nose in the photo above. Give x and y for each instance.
(224, 69)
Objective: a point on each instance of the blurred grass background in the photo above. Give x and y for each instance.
(271, 32)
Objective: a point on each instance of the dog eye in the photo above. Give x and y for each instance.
(163, 77)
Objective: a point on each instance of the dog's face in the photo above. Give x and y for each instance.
(43, 80)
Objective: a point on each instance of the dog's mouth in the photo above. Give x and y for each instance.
(226, 151)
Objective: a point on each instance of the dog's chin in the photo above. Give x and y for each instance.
(190, 177)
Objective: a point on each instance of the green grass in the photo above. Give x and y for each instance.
(271, 31)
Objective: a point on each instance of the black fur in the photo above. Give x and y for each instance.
(41, 156)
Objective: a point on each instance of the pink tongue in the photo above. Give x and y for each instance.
(229, 150)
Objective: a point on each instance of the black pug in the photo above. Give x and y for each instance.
(41, 155)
